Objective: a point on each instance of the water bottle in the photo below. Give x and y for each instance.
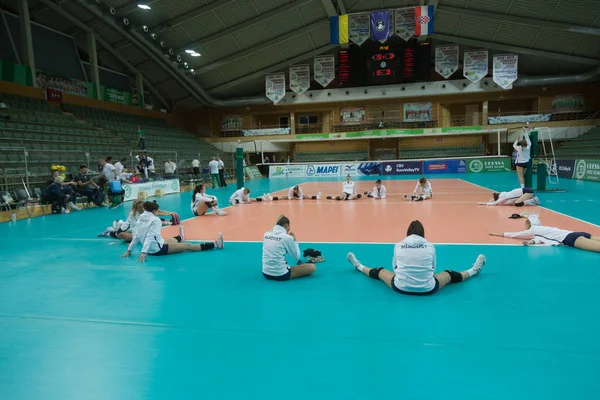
(13, 217)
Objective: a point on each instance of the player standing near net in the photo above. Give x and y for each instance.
(296, 193)
(414, 266)
(517, 197)
(278, 243)
(523, 147)
(379, 192)
(348, 191)
(423, 191)
(538, 234)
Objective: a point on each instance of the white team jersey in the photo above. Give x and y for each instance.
(119, 168)
(201, 198)
(523, 154)
(240, 196)
(131, 222)
(291, 194)
(147, 232)
(213, 166)
(380, 193)
(541, 235)
(534, 201)
(506, 198)
(195, 164)
(423, 190)
(349, 187)
(414, 264)
(276, 244)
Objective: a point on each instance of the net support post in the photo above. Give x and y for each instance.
(239, 166)
(533, 137)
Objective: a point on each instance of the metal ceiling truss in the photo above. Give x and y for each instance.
(72, 19)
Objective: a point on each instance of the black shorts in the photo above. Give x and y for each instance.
(346, 196)
(432, 291)
(522, 164)
(164, 250)
(528, 191)
(573, 236)
(285, 277)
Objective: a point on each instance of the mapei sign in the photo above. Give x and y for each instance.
(323, 170)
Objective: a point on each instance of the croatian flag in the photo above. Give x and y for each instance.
(424, 20)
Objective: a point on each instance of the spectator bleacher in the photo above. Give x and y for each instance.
(584, 146)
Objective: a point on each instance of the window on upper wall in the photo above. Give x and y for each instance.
(308, 119)
(284, 121)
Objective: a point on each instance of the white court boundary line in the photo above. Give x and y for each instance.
(545, 208)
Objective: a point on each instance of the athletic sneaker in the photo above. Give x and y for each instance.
(182, 232)
(74, 206)
(65, 211)
(479, 263)
(221, 213)
(269, 197)
(406, 197)
(352, 259)
(536, 201)
(219, 242)
(232, 202)
(319, 196)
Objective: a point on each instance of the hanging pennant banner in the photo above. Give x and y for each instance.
(324, 70)
(405, 23)
(446, 60)
(275, 87)
(506, 69)
(380, 25)
(300, 79)
(359, 27)
(475, 65)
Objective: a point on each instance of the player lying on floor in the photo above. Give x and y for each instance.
(348, 191)
(536, 233)
(414, 265)
(519, 197)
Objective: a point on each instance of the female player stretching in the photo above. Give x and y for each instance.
(276, 245)
(296, 193)
(523, 147)
(242, 196)
(538, 234)
(414, 266)
(422, 191)
(147, 233)
(202, 202)
(348, 191)
(518, 197)
(378, 192)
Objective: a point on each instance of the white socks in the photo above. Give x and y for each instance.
(360, 267)
(472, 272)
(522, 186)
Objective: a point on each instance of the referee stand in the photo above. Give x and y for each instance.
(546, 163)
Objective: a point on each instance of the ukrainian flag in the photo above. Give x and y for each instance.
(338, 28)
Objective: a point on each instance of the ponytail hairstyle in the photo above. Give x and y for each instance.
(197, 189)
(151, 206)
(416, 228)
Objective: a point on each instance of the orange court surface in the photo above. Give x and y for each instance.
(451, 216)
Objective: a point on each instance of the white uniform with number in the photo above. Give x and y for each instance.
(380, 193)
(276, 245)
(423, 190)
(541, 235)
(291, 194)
(523, 154)
(147, 232)
(349, 188)
(414, 265)
(240, 196)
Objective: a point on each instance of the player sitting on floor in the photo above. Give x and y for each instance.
(148, 233)
(348, 191)
(378, 192)
(278, 243)
(202, 202)
(296, 193)
(242, 196)
(422, 191)
(414, 266)
(124, 229)
(519, 197)
(538, 234)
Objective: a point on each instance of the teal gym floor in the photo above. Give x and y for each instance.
(78, 322)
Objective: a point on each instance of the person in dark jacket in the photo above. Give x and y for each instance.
(54, 193)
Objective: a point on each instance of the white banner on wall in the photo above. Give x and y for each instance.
(446, 60)
(359, 27)
(506, 69)
(271, 131)
(323, 170)
(299, 79)
(405, 23)
(351, 116)
(132, 190)
(475, 65)
(275, 87)
(417, 112)
(287, 171)
(324, 70)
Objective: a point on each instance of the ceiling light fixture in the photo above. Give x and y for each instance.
(144, 7)
(190, 51)
(195, 54)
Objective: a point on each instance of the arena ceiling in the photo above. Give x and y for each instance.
(242, 40)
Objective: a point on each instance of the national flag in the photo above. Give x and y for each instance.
(424, 20)
(338, 29)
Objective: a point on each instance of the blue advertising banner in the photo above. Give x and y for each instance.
(565, 168)
(445, 167)
(402, 168)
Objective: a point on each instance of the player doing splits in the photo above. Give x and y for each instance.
(422, 191)
(348, 191)
(296, 193)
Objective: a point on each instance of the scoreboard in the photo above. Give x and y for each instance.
(389, 63)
